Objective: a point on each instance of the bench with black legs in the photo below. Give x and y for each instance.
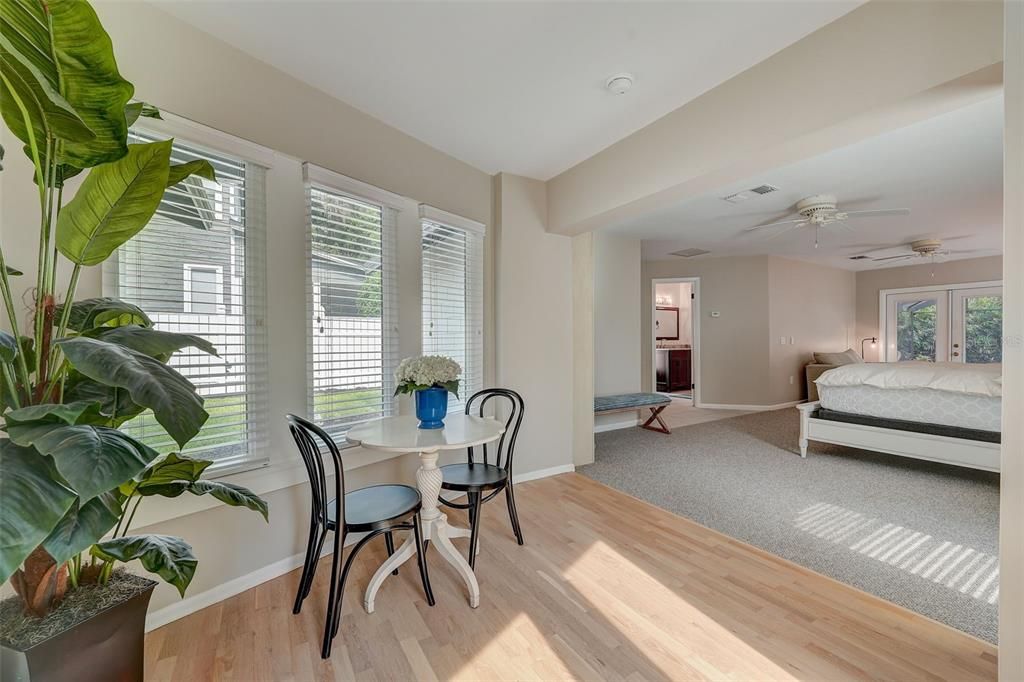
(634, 402)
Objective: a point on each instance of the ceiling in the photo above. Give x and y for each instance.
(512, 86)
(947, 170)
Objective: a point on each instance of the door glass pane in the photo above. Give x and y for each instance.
(915, 329)
(983, 328)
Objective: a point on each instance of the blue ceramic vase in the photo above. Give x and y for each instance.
(431, 407)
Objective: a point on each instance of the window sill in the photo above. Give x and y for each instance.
(264, 480)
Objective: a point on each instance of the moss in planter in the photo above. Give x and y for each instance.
(21, 632)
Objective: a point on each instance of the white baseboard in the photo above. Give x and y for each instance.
(750, 408)
(543, 473)
(615, 426)
(197, 602)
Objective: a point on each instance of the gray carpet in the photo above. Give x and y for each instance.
(920, 534)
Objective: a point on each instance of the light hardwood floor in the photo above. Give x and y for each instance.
(607, 587)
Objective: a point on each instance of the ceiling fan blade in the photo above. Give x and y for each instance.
(794, 223)
(902, 257)
(878, 213)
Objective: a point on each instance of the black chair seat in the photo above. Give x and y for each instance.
(376, 505)
(476, 477)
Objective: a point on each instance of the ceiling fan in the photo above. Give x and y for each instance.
(930, 249)
(821, 210)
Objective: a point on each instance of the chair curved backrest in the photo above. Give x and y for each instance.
(306, 435)
(507, 443)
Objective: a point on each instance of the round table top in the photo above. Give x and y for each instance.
(402, 434)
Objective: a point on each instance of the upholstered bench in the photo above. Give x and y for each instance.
(632, 402)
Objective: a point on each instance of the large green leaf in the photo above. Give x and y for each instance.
(149, 382)
(12, 271)
(180, 171)
(169, 557)
(115, 404)
(48, 112)
(8, 347)
(34, 501)
(68, 413)
(92, 459)
(171, 476)
(133, 111)
(114, 203)
(76, 59)
(232, 495)
(82, 526)
(91, 313)
(152, 342)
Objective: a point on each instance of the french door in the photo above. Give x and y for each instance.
(944, 324)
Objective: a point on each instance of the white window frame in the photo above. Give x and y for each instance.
(476, 283)
(186, 274)
(326, 180)
(886, 336)
(173, 126)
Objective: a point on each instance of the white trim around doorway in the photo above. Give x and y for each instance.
(695, 330)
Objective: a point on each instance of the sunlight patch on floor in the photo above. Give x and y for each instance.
(655, 632)
(954, 566)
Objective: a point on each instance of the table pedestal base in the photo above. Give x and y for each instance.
(435, 528)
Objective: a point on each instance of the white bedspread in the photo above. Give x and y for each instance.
(954, 377)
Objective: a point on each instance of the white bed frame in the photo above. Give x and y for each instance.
(957, 451)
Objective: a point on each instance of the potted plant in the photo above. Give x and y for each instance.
(71, 479)
(430, 378)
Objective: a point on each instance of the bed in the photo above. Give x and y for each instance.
(943, 412)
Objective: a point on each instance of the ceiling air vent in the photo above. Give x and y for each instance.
(751, 193)
(690, 253)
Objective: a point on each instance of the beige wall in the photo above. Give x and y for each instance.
(812, 308)
(759, 300)
(190, 73)
(878, 57)
(1011, 511)
(870, 282)
(583, 366)
(535, 317)
(734, 352)
(616, 314)
(616, 321)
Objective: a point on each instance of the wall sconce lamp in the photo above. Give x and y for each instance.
(874, 344)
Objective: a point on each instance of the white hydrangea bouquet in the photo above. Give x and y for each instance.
(429, 378)
(428, 371)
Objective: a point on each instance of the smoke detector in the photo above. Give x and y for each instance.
(619, 84)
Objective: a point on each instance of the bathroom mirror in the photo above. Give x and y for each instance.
(666, 323)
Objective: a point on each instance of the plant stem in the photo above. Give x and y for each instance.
(5, 285)
(124, 509)
(132, 516)
(43, 269)
(7, 369)
(74, 569)
(56, 215)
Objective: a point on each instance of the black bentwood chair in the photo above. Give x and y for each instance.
(482, 481)
(375, 510)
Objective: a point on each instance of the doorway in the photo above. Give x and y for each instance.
(676, 338)
(949, 323)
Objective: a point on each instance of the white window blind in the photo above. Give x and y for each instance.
(352, 303)
(198, 268)
(452, 252)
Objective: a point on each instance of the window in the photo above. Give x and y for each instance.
(452, 257)
(203, 289)
(957, 323)
(352, 301)
(197, 268)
